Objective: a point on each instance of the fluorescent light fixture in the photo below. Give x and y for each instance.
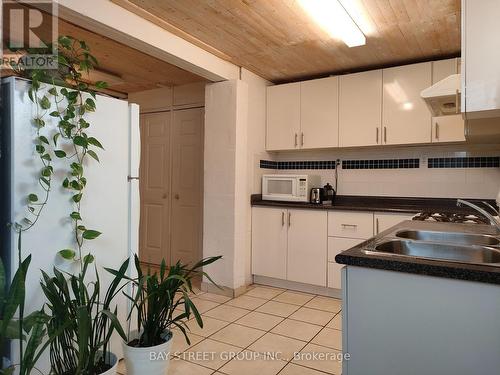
(332, 17)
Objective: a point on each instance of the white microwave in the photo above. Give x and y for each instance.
(288, 187)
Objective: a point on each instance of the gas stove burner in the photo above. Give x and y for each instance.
(449, 217)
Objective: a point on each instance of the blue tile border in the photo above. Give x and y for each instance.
(455, 162)
(381, 164)
(465, 162)
(306, 164)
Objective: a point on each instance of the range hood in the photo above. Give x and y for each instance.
(443, 97)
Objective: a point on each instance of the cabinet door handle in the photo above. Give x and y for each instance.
(296, 140)
(385, 134)
(349, 225)
(376, 135)
(289, 218)
(437, 130)
(456, 102)
(376, 226)
(302, 139)
(282, 218)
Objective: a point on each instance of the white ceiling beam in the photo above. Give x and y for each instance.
(117, 23)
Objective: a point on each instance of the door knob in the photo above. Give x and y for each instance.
(164, 195)
(176, 196)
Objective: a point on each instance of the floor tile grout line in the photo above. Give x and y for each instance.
(269, 331)
(247, 348)
(265, 332)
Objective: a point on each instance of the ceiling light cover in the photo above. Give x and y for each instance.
(332, 17)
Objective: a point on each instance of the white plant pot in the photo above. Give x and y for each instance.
(154, 360)
(114, 363)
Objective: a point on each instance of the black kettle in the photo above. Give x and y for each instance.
(328, 193)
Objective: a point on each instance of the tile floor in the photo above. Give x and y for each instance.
(243, 334)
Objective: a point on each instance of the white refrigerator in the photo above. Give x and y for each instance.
(110, 204)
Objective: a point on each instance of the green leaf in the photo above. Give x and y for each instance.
(40, 149)
(80, 141)
(64, 41)
(60, 153)
(46, 172)
(75, 185)
(67, 254)
(43, 139)
(33, 198)
(93, 154)
(53, 91)
(55, 138)
(77, 168)
(46, 157)
(65, 183)
(45, 181)
(75, 215)
(90, 234)
(45, 103)
(89, 105)
(101, 85)
(77, 198)
(89, 258)
(39, 122)
(54, 114)
(16, 293)
(72, 95)
(95, 142)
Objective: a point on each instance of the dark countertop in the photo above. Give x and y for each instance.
(440, 268)
(380, 204)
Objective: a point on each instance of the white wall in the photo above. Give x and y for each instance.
(419, 182)
(225, 191)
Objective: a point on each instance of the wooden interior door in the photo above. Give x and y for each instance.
(154, 234)
(187, 185)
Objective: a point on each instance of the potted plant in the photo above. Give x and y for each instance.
(161, 301)
(82, 322)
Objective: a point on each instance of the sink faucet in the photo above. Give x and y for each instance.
(482, 211)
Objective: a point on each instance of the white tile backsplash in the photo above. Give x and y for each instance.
(419, 182)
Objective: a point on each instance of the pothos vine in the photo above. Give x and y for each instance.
(70, 141)
(72, 97)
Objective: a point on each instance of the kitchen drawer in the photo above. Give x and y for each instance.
(337, 244)
(350, 224)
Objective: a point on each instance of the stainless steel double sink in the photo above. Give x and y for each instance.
(464, 243)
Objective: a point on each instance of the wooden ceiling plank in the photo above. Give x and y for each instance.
(277, 39)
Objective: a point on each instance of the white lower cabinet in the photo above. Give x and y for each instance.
(307, 247)
(300, 245)
(289, 244)
(269, 242)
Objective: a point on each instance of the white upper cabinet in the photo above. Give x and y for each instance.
(480, 58)
(283, 117)
(447, 128)
(405, 116)
(360, 109)
(319, 113)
